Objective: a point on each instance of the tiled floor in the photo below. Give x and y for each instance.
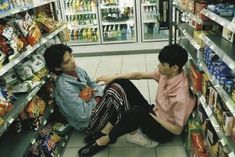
(96, 66)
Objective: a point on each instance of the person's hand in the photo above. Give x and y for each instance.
(97, 99)
(105, 79)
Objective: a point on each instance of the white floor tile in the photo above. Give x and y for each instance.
(169, 151)
(132, 152)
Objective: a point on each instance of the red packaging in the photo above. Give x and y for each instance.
(198, 6)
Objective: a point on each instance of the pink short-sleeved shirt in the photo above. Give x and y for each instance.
(174, 103)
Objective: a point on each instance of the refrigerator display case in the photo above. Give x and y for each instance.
(82, 19)
(117, 21)
(154, 20)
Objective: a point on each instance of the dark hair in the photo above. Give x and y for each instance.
(173, 55)
(54, 57)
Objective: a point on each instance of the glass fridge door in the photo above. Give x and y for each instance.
(154, 20)
(82, 19)
(118, 21)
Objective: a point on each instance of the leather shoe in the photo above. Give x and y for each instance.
(93, 137)
(90, 150)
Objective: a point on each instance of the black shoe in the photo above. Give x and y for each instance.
(90, 150)
(93, 137)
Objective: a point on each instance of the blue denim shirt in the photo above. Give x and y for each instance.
(67, 90)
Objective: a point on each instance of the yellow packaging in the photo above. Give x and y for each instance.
(196, 36)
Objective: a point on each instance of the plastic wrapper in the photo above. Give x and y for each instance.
(29, 29)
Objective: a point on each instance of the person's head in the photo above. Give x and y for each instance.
(59, 59)
(172, 59)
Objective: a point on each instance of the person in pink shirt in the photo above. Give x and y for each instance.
(173, 102)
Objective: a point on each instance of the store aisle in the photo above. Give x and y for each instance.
(96, 66)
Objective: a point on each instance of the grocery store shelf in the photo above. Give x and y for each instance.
(223, 48)
(191, 50)
(188, 33)
(223, 94)
(18, 10)
(225, 141)
(30, 50)
(16, 144)
(225, 22)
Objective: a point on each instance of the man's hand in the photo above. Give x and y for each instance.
(105, 79)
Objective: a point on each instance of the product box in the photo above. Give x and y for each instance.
(198, 6)
(197, 146)
(196, 77)
(227, 123)
(229, 35)
(213, 95)
(206, 84)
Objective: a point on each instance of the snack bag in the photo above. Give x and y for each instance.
(46, 23)
(29, 29)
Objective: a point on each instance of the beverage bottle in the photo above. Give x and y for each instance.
(156, 30)
(79, 35)
(84, 34)
(109, 32)
(72, 34)
(114, 32)
(76, 35)
(94, 19)
(119, 33)
(89, 34)
(94, 36)
(128, 32)
(105, 33)
(123, 34)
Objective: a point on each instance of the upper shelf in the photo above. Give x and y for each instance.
(188, 33)
(225, 22)
(21, 9)
(30, 49)
(223, 48)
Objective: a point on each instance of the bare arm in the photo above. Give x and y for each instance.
(131, 76)
(175, 129)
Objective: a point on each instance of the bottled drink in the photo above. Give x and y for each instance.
(156, 30)
(119, 33)
(79, 35)
(94, 36)
(84, 34)
(72, 34)
(123, 34)
(128, 32)
(114, 32)
(109, 32)
(76, 35)
(105, 33)
(89, 34)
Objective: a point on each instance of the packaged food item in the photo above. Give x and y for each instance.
(29, 29)
(46, 23)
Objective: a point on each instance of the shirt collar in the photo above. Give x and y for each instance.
(176, 79)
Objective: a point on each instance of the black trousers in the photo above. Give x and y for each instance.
(138, 116)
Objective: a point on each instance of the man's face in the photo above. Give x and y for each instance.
(165, 69)
(68, 63)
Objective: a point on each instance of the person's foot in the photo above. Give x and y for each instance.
(90, 150)
(142, 140)
(93, 137)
